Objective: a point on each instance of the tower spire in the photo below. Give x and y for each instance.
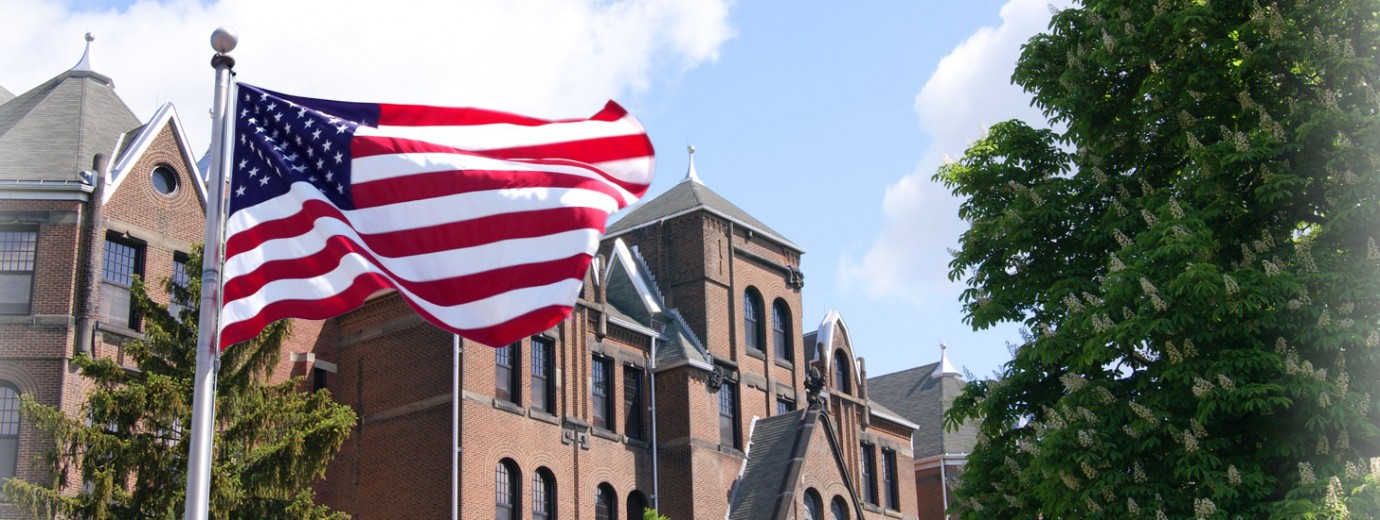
(690, 174)
(85, 64)
(945, 367)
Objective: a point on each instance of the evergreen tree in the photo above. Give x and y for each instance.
(130, 452)
(1194, 260)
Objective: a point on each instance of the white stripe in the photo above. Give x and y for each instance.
(391, 166)
(477, 314)
(426, 212)
(423, 267)
(505, 135)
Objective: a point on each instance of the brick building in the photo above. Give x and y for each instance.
(683, 379)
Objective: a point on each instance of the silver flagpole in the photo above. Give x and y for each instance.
(202, 430)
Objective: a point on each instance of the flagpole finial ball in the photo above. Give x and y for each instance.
(224, 39)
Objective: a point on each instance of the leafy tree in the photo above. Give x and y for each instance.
(1194, 260)
(272, 440)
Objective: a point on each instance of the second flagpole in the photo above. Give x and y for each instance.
(200, 454)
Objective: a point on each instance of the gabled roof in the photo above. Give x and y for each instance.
(922, 395)
(634, 298)
(134, 143)
(772, 455)
(688, 196)
(51, 133)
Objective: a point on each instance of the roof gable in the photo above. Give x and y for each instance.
(688, 196)
(133, 144)
(779, 450)
(5, 95)
(51, 133)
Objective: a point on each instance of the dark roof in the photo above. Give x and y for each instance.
(51, 132)
(772, 453)
(5, 95)
(688, 196)
(922, 399)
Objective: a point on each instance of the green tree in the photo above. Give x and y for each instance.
(272, 440)
(1193, 259)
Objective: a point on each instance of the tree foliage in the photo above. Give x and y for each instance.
(130, 452)
(1194, 259)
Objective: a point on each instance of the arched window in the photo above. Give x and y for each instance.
(543, 494)
(9, 430)
(780, 331)
(843, 377)
(752, 319)
(637, 502)
(838, 509)
(507, 490)
(814, 506)
(605, 503)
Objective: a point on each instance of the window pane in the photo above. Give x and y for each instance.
(752, 311)
(604, 505)
(543, 392)
(869, 473)
(505, 383)
(503, 493)
(728, 415)
(9, 432)
(17, 250)
(542, 488)
(839, 509)
(780, 324)
(814, 508)
(602, 389)
(889, 483)
(632, 402)
(15, 292)
(121, 262)
(115, 305)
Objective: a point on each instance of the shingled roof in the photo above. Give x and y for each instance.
(777, 451)
(51, 133)
(688, 196)
(5, 95)
(922, 395)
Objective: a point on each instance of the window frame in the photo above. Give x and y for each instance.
(838, 508)
(10, 417)
(507, 490)
(139, 253)
(634, 402)
(781, 331)
(784, 405)
(601, 390)
(869, 474)
(542, 381)
(843, 374)
(605, 496)
(507, 380)
(729, 434)
(753, 319)
(637, 504)
(891, 486)
(25, 236)
(814, 505)
(543, 494)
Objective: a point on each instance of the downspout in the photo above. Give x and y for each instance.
(656, 477)
(86, 317)
(943, 486)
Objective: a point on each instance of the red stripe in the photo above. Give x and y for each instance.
(597, 150)
(421, 115)
(452, 182)
(426, 239)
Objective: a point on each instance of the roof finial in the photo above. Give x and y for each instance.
(85, 63)
(945, 368)
(691, 174)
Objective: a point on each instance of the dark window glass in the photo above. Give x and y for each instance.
(9, 431)
(505, 379)
(603, 393)
(752, 319)
(17, 249)
(890, 486)
(605, 503)
(814, 506)
(780, 331)
(543, 385)
(869, 473)
(506, 491)
(164, 180)
(637, 502)
(633, 404)
(784, 405)
(181, 277)
(839, 509)
(843, 379)
(123, 261)
(728, 414)
(318, 378)
(543, 495)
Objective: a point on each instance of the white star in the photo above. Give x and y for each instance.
(287, 128)
(297, 139)
(243, 162)
(263, 181)
(244, 112)
(339, 188)
(329, 176)
(338, 157)
(246, 96)
(239, 192)
(313, 179)
(272, 106)
(258, 129)
(326, 146)
(316, 135)
(263, 96)
(340, 129)
(298, 169)
(301, 111)
(277, 116)
(253, 171)
(311, 152)
(308, 123)
(320, 163)
(291, 158)
(253, 120)
(332, 119)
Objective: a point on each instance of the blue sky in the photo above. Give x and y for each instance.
(823, 119)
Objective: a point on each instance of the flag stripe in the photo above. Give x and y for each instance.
(422, 186)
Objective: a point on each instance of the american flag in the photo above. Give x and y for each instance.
(485, 222)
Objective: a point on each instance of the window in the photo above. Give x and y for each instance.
(164, 180)
(869, 473)
(843, 377)
(633, 404)
(603, 392)
(543, 495)
(890, 486)
(319, 378)
(505, 381)
(543, 385)
(9, 431)
(17, 247)
(605, 503)
(780, 331)
(123, 261)
(784, 405)
(506, 490)
(838, 509)
(814, 506)
(181, 277)
(637, 503)
(752, 319)
(728, 414)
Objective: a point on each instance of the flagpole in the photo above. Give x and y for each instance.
(202, 429)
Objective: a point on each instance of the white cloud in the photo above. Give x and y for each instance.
(553, 58)
(969, 90)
